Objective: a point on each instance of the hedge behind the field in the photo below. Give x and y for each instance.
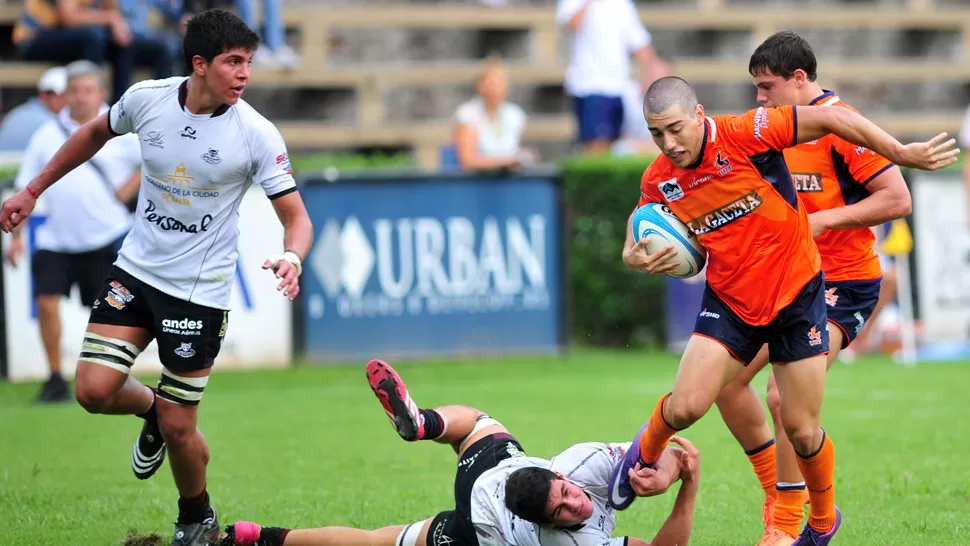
(610, 304)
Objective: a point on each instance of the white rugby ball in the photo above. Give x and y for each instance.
(655, 220)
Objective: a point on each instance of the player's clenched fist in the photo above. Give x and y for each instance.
(637, 257)
(16, 209)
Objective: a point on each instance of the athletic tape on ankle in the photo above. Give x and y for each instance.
(483, 422)
(186, 391)
(114, 353)
(409, 536)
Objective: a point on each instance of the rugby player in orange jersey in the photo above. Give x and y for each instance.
(845, 189)
(727, 179)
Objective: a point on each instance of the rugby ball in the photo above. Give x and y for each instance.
(655, 220)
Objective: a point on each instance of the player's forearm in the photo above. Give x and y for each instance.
(298, 235)
(676, 530)
(80, 147)
(877, 209)
(858, 130)
(130, 188)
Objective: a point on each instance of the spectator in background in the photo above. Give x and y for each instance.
(158, 48)
(273, 51)
(635, 138)
(488, 128)
(606, 33)
(86, 215)
(23, 121)
(62, 31)
(964, 142)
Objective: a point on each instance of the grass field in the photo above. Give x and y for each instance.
(310, 446)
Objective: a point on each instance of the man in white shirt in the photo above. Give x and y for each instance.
(503, 496)
(20, 123)
(202, 148)
(606, 34)
(86, 217)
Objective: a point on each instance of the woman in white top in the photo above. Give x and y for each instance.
(488, 129)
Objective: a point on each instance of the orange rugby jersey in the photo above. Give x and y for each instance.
(829, 173)
(740, 201)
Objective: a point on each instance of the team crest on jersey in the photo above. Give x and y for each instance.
(181, 176)
(671, 189)
(185, 350)
(723, 164)
(814, 337)
(212, 157)
(721, 216)
(118, 296)
(831, 298)
(807, 182)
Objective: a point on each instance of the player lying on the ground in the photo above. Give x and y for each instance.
(726, 177)
(845, 189)
(503, 496)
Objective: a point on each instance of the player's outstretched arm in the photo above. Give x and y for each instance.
(80, 147)
(676, 530)
(814, 122)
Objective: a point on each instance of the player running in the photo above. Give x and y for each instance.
(202, 148)
(845, 189)
(503, 496)
(726, 178)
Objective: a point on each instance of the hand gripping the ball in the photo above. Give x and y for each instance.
(637, 257)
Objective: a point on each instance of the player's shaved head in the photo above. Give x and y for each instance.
(667, 92)
(675, 119)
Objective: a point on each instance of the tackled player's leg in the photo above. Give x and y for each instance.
(473, 435)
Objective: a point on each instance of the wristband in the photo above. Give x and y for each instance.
(31, 192)
(294, 259)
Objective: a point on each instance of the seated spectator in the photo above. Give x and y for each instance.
(488, 128)
(63, 31)
(273, 51)
(21, 122)
(155, 48)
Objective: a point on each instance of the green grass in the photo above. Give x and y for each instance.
(310, 446)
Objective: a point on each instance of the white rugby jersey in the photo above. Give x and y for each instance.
(195, 172)
(587, 465)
